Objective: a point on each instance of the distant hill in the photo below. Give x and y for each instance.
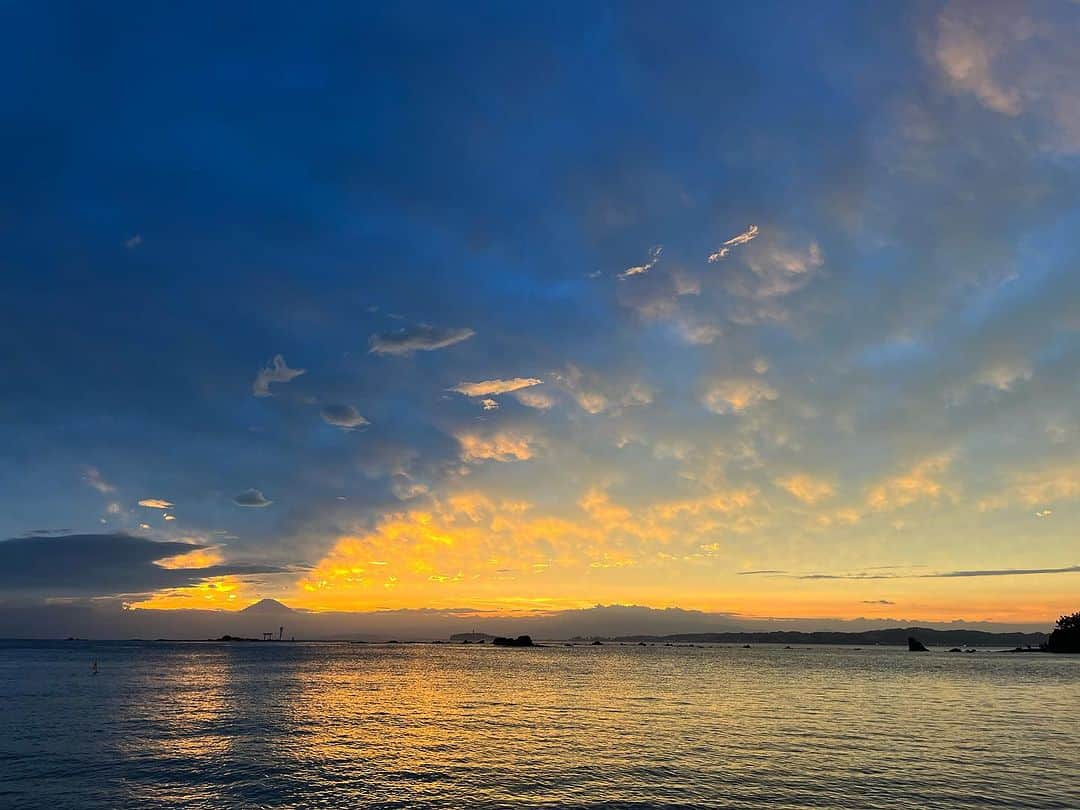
(893, 636)
(473, 637)
(268, 607)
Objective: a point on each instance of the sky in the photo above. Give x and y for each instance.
(768, 310)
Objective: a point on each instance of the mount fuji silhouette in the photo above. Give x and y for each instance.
(268, 607)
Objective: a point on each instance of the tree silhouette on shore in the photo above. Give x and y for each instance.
(1066, 636)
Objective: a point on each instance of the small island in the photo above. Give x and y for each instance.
(520, 641)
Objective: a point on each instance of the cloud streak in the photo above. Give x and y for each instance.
(739, 239)
(487, 388)
(641, 269)
(963, 574)
(422, 338)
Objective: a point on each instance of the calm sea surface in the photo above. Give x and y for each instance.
(345, 725)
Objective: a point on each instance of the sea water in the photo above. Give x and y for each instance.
(222, 725)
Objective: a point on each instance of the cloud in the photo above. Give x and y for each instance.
(654, 256)
(698, 334)
(277, 371)
(739, 239)
(486, 388)
(531, 398)
(761, 572)
(133, 242)
(877, 602)
(343, 416)
(489, 404)
(500, 446)
(1005, 572)
(780, 270)
(1059, 482)
(963, 574)
(251, 497)
(93, 477)
(420, 338)
(595, 397)
(806, 488)
(155, 503)
(105, 565)
(736, 395)
(920, 482)
(1016, 60)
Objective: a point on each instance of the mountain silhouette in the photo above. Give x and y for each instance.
(269, 607)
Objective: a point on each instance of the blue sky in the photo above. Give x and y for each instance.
(881, 372)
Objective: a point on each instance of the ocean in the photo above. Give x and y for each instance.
(260, 725)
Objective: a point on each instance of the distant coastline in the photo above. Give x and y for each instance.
(896, 636)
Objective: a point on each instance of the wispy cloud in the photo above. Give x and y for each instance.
(487, 388)
(92, 476)
(155, 503)
(422, 338)
(252, 498)
(277, 371)
(739, 239)
(596, 396)
(640, 269)
(760, 572)
(1017, 60)
(133, 242)
(346, 417)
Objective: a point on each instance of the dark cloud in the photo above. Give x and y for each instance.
(101, 565)
(877, 602)
(343, 416)
(417, 338)
(251, 497)
(1007, 572)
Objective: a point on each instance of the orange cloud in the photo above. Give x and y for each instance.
(921, 482)
(806, 488)
(500, 446)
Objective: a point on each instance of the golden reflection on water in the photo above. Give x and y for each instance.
(282, 724)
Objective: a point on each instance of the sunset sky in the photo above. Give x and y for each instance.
(769, 309)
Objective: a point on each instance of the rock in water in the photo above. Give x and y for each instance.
(914, 645)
